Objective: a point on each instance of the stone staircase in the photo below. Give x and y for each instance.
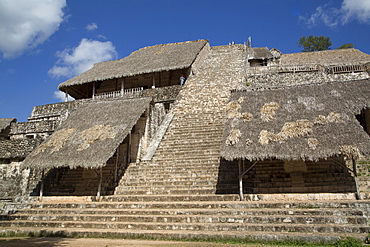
(186, 190)
(191, 216)
(187, 160)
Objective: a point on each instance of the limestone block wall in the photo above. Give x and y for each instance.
(281, 79)
(277, 176)
(363, 172)
(200, 59)
(35, 129)
(14, 181)
(54, 111)
(162, 94)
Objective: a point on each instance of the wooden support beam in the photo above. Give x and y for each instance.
(94, 89)
(66, 96)
(241, 194)
(129, 149)
(122, 87)
(354, 172)
(42, 185)
(241, 175)
(354, 168)
(116, 169)
(153, 81)
(100, 184)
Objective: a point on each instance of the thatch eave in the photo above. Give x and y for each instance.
(89, 136)
(306, 122)
(328, 57)
(147, 60)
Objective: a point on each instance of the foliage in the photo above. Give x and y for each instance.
(348, 242)
(346, 46)
(314, 43)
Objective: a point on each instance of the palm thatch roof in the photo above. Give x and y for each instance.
(5, 123)
(89, 136)
(259, 53)
(11, 149)
(146, 60)
(329, 57)
(306, 122)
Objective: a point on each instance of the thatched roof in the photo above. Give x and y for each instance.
(10, 149)
(329, 57)
(5, 123)
(306, 122)
(146, 60)
(259, 53)
(89, 136)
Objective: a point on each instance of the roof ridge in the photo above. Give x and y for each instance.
(168, 44)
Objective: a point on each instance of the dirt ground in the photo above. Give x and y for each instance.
(92, 242)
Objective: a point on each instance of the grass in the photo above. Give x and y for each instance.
(345, 242)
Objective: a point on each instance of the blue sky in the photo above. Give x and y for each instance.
(46, 42)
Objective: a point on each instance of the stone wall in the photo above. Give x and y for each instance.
(200, 59)
(35, 129)
(162, 94)
(54, 111)
(14, 181)
(281, 79)
(363, 173)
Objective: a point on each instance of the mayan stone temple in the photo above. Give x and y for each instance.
(189, 140)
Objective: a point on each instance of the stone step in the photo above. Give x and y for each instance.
(186, 144)
(208, 153)
(154, 174)
(166, 191)
(194, 161)
(160, 183)
(133, 180)
(172, 187)
(194, 132)
(191, 121)
(167, 169)
(194, 219)
(175, 234)
(182, 210)
(195, 138)
(183, 126)
(219, 227)
(312, 202)
(193, 164)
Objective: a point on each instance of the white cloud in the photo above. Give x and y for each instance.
(331, 17)
(358, 9)
(25, 24)
(59, 95)
(81, 58)
(92, 26)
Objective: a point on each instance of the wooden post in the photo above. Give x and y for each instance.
(93, 92)
(129, 149)
(354, 169)
(100, 184)
(66, 96)
(122, 87)
(42, 185)
(116, 170)
(240, 180)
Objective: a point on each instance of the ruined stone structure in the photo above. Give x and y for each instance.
(251, 128)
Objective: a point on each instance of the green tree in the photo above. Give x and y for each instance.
(346, 46)
(314, 43)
